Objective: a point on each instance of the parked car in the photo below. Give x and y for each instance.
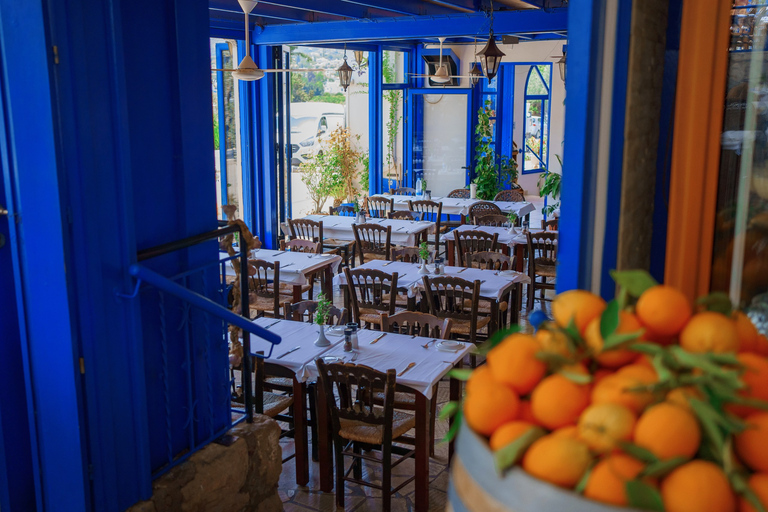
(533, 126)
(311, 123)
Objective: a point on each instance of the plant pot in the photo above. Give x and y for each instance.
(321, 340)
(476, 486)
(472, 191)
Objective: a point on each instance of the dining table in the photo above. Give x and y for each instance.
(494, 285)
(421, 363)
(460, 206)
(515, 243)
(296, 268)
(404, 232)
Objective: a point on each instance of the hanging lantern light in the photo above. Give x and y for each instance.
(490, 58)
(561, 65)
(475, 73)
(359, 56)
(345, 72)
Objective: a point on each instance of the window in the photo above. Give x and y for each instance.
(536, 137)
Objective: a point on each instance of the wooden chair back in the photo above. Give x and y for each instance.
(542, 250)
(372, 239)
(371, 289)
(263, 286)
(417, 324)
(454, 298)
(401, 214)
(551, 224)
(379, 206)
(306, 229)
(490, 260)
(472, 241)
(491, 219)
(482, 208)
(406, 254)
(429, 210)
(343, 210)
(301, 245)
(403, 191)
(304, 311)
(512, 196)
(460, 193)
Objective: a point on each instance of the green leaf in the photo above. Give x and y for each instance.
(460, 373)
(752, 402)
(741, 486)
(578, 378)
(582, 484)
(451, 434)
(643, 496)
(609, 320)
(508, 456)
(448, 410)
(638, 452)
(718, 302)
(663, 467)
(661, 370)
(573, 333)
(635, 281)
(709, 419)
(497, 338)
(615, 340)
(553, 360)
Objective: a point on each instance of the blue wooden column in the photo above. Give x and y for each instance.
(375, 121)
(266, 203)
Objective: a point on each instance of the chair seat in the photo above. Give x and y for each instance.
(368, 256)
(401, 299)
(279, 381)
(268, 303)
(401, 398)
(374, 434)
(484, 308)
(373, 316)
(332, 242)
(462, 326)
(546, 270)
(286, 288)
(274, 403)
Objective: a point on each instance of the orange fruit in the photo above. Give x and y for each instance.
(571, 431)
(508, 432)
(524, 412)
(617, 389)
(553, 342)
(616, 357)
(513, 362)
(663, 309)
(578, 305)
(559, 460)
(709, 331)
(602, 426)
(746, 331)
(608, 479)
(752, 444)
(680, 397)
(600, 374)
(697, 486)
(557, 401)
(761, 345)
(758, 482)
(480, 378)
(642, 373)
(668, 430)
(488, 407)
(755, 377)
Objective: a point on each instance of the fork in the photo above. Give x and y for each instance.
(426, 345)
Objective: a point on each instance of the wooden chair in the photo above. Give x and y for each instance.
(482, 208)
(403, 191)
(304, 311)
(299, 245)
(378, 206)
(459, 300)
(417, 324)
(512, 196)
(551, 224)
(343, 210)
(472, 241)
(350, 392)
(490, 260)
(306, 229)
(460, 193)
(433, 212)
(401, 215)
(492, 219)
(372, 241)
(371, 292)
(407, 254)
(266, 295)
(542, 265)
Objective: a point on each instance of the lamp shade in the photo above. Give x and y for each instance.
(475, 73)
(345, 74)
(359, 56)
(561, 65)
(490, 58)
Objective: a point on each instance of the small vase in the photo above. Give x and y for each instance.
(321, 340)
(423, 269)
(472, 191)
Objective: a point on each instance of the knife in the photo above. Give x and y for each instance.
(378, 338)
(273, 323)
(294, 349)
(411, 365)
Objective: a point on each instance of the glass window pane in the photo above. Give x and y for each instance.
(393, 136)
(535, 85)
(394, 67)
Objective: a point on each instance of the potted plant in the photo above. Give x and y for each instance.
(549, 185)
(321, 317)
(424, 255)
(492, 172)
(512, 218)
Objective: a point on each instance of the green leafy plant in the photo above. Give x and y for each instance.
(549, 185)
(492, 173)
(424, 251)
(512, 218)
(323, 309)
(393, 119)
(356, 205)
(423, 185)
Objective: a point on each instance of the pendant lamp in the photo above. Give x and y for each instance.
(475, 73)
(345, 72)
(490, 56)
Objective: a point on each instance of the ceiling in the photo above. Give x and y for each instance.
(317, 21)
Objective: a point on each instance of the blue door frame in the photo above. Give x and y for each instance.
(221, 117)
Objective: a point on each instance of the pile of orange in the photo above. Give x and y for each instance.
(599, 417)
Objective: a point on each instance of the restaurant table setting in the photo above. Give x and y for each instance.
(294, 266)
(505, 237)
(404, 232)
(460, 206)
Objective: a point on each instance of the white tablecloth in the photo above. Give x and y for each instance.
(459, 206)
(504, 236)
(294, 334)
(494, 286)
(404, 232)
(294, 266)
(397, 351)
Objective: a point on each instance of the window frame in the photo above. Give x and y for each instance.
(542, 156)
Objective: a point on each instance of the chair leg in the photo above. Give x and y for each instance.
(386, 477)
(531, 296)
(432, 416)
(311, 390)
(357, 463)
(339, 473)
